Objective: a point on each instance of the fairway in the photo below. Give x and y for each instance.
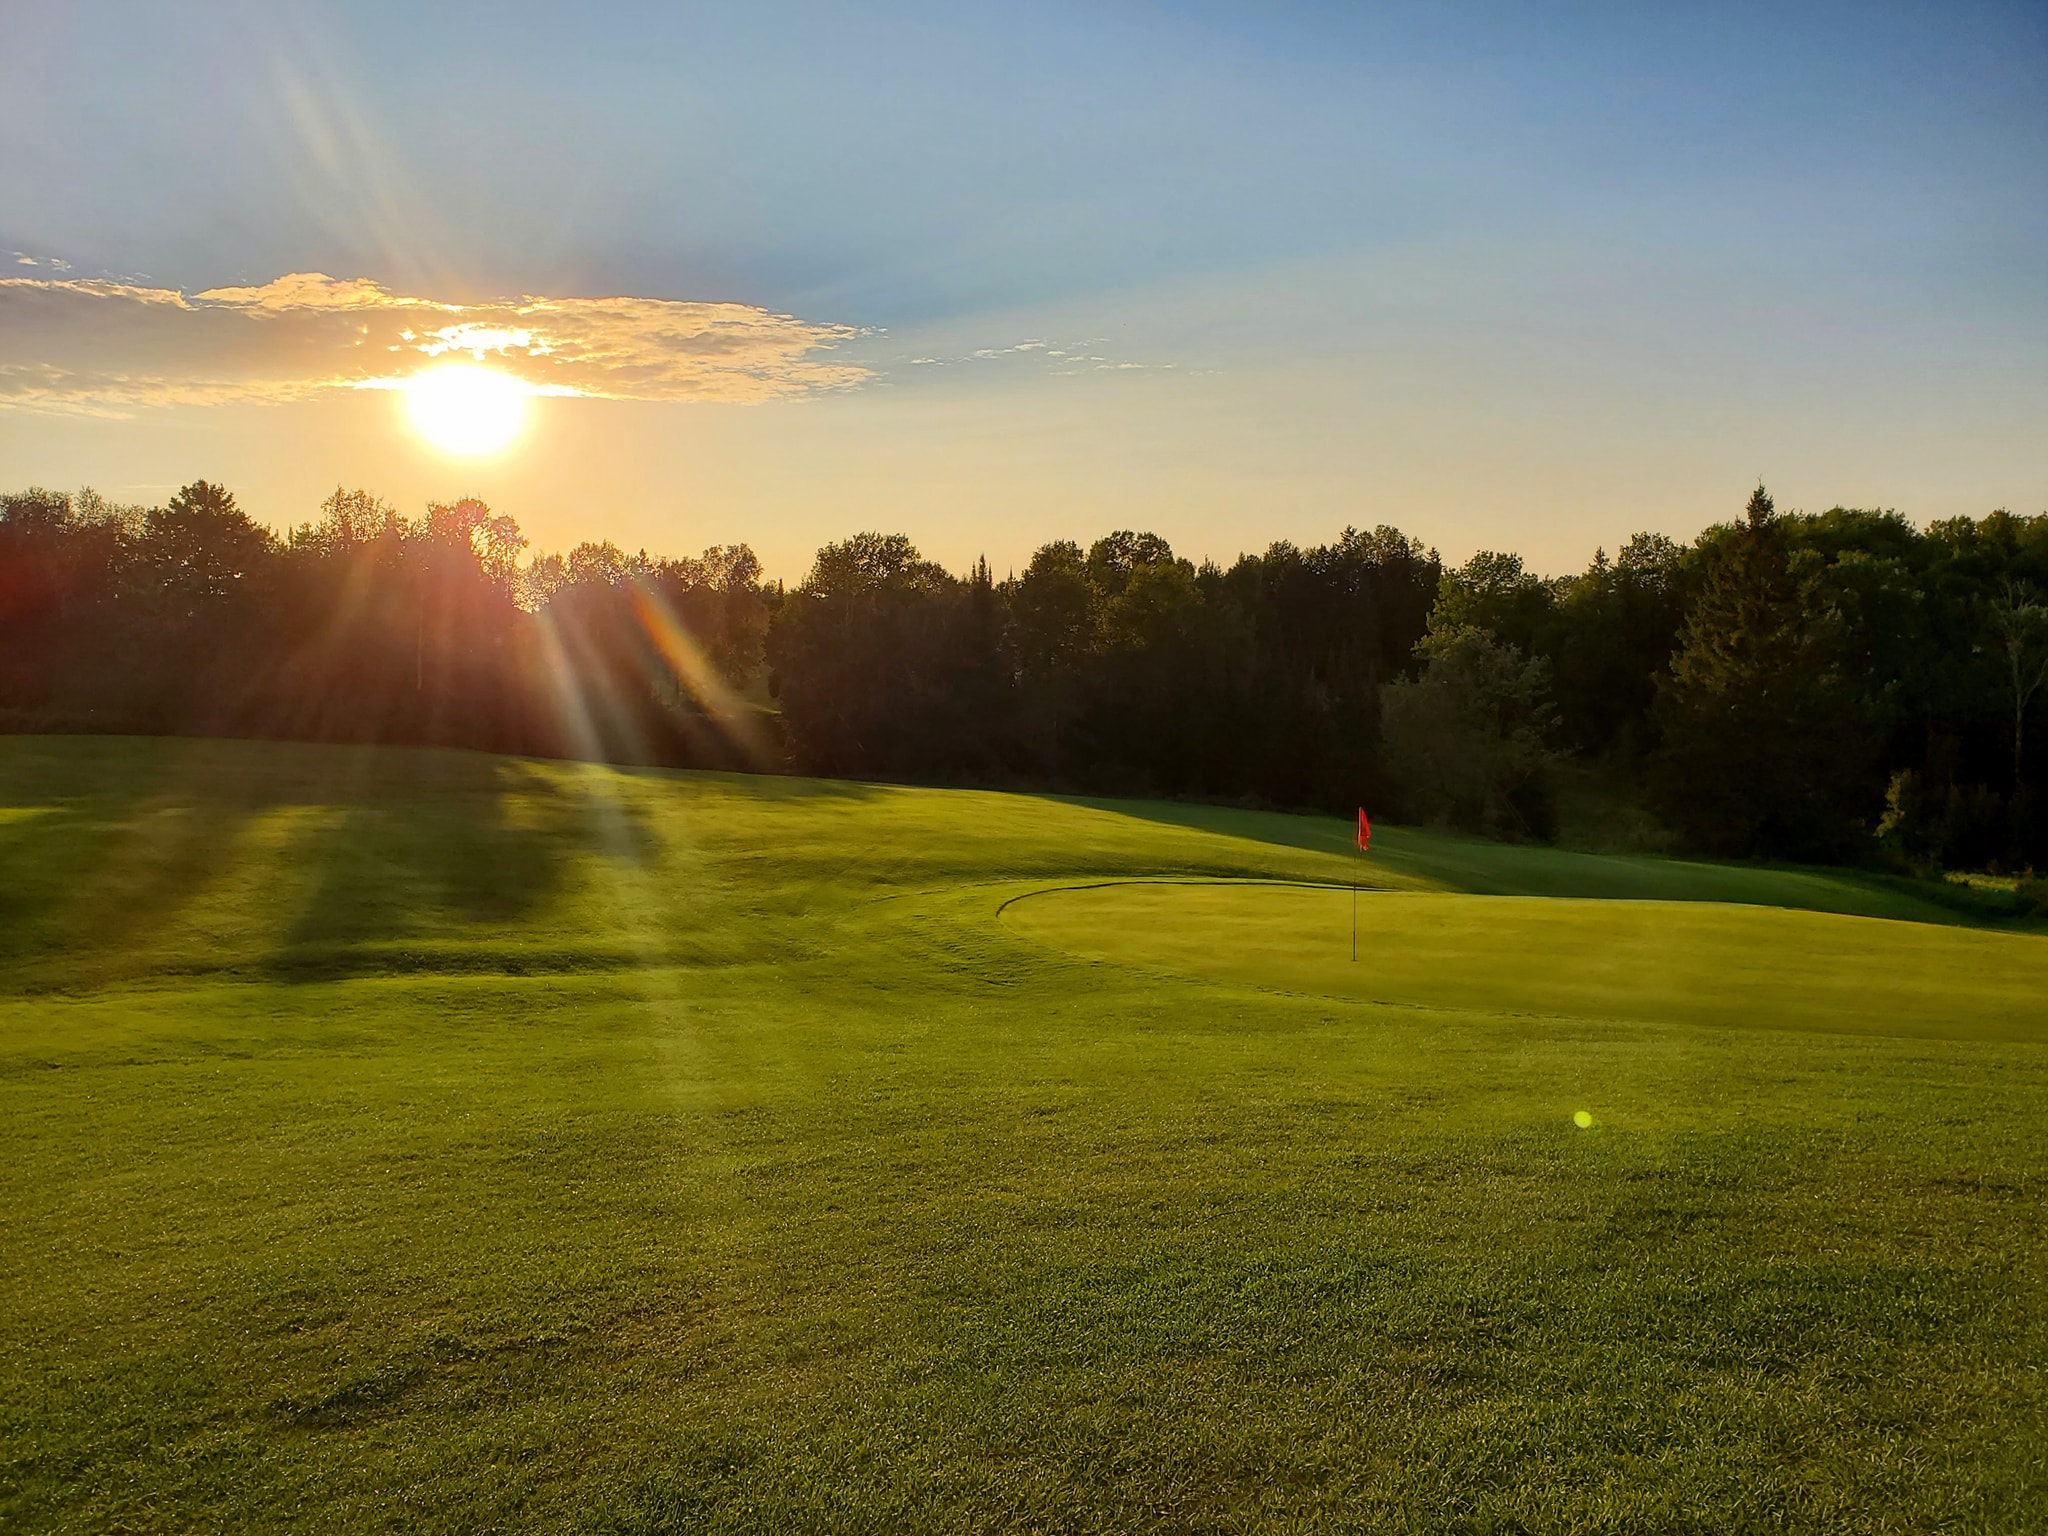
(1700, 963)
(435, 1142)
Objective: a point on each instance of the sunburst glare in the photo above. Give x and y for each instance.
(466, 410)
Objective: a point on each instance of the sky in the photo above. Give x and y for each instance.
(1501, 275)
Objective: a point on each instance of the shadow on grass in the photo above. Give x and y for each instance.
(1477, 867)
(109, 844)
(129, 856)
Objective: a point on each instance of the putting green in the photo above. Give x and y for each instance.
(1659, 961)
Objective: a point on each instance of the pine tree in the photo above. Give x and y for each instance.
(1760, 732)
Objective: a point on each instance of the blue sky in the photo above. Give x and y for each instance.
(1426, 264)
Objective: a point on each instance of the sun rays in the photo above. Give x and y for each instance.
(466, 410)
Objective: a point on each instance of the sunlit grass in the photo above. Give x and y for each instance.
(1704, 963)
(428, 1141)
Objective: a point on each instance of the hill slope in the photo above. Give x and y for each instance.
(125, 858)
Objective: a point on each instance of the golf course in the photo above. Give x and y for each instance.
(410, 1140)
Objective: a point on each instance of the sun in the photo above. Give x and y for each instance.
(466, 410)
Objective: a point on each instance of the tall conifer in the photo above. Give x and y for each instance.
(1758, 726)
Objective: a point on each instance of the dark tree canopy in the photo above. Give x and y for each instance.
(1809, 686)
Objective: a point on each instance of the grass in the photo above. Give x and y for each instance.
(1702, 963)
(432, 1142)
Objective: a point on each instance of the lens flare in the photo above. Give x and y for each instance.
(466, 410)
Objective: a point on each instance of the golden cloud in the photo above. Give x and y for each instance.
(108, 347)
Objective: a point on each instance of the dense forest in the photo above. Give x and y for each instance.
(1839, 686)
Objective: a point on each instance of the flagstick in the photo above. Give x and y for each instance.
(1364, 833)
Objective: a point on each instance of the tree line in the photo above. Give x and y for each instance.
(1822, 687)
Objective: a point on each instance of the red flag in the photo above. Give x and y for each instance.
(1364, 831)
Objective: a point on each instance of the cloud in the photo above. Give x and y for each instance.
(104, 347)
(1062, 360)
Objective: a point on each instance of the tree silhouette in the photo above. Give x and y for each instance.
(1762, 686)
